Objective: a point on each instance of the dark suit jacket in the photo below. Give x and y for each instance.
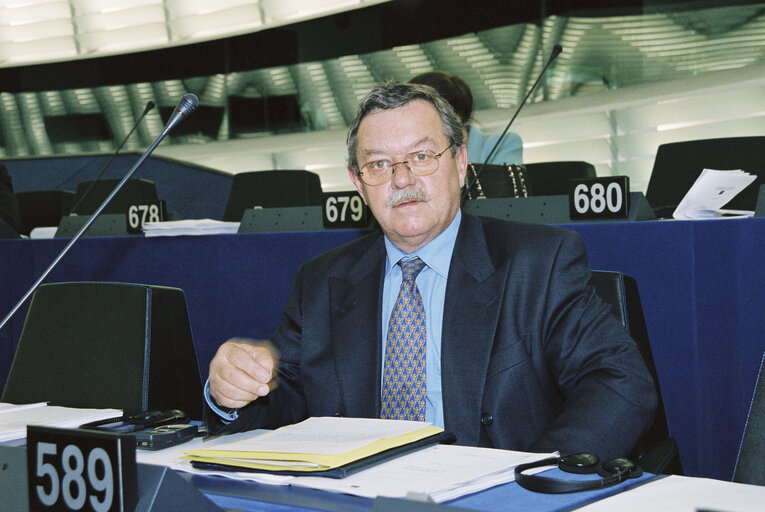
(531, 359)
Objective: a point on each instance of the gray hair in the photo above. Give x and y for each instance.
(394, 94)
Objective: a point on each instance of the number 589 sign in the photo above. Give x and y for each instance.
(599, 198)
(73, 470)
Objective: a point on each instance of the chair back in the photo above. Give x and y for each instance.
(751, 452)
(551, 178)
(107, 345)
(677, 166)
(271, 189)
(43, 208)
(90, 195)
(656, 451)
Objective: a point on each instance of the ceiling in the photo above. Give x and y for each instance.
(500, 64)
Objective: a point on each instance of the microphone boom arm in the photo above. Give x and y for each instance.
(555, 52)
(175, 119)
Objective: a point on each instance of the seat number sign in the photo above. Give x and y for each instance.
(599, 198)
(140, 214)
(73, 470)
(344, 210)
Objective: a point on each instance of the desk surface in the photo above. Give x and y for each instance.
(239, 495)
(700, 284)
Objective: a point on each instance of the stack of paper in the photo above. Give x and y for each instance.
(190, 227)
(439, 473)
(318, 445)
(710, 192)
(15, 418)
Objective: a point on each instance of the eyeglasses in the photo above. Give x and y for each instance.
(420, 163)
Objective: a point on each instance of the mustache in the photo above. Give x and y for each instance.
(406, 195)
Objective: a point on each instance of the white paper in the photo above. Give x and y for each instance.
(13, 422)
(710, 192)
(680, 494)
(324, 436)
(439, 472)
(190, 227)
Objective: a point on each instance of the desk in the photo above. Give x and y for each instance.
(251, 496)
(701, 284)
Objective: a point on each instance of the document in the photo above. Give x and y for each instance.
(710, 192)
(681, 493)
(318, 445)
(438, 472)
(15, 418)
(190, 227)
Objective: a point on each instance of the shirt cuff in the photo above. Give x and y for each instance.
(227, 416)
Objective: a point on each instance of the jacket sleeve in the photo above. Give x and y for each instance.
(609, 398)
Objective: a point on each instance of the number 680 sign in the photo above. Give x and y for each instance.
(599, 198)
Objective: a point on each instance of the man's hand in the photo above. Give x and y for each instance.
(241, 371)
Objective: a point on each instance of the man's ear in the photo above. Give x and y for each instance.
(357, 183)
(462, 162)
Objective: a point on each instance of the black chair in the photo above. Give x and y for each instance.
(679, 164)
(271, 189)
(657, 451)
(90, 195)
(751, 452)
(43, 208)
(537, 179)
(107, 345)
(551, 178)
(7, 231)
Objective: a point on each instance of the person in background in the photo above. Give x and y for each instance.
(479, 143)
(485, 327)
(9, 206)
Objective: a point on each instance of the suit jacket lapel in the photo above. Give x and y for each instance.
(355, 331)
(471, 312)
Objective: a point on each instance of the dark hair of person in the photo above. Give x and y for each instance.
(453, 89)
(394, 94)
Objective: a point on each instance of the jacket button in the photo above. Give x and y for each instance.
(487, 419)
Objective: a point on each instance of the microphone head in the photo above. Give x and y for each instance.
(188, 104)
(556, 51)
(149, 106)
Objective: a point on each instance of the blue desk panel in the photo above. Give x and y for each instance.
(252, 496)
(701, 284)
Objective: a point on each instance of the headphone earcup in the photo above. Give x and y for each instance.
(619, 469)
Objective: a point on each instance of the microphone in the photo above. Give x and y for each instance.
(557, 49)
(186, 107)
(149, 106)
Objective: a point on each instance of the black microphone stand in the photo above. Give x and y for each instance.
(555, 52)
(185, 108)
(149, 106)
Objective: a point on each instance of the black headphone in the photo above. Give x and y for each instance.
(612, 471)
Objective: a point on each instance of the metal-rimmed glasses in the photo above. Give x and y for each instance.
(420, 163)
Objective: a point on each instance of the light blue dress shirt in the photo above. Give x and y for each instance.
(431, 282)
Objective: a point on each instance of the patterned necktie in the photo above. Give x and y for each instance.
(403, 389)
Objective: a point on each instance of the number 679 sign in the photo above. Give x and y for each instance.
(344, 210)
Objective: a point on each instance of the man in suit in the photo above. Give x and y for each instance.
(519, 351)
